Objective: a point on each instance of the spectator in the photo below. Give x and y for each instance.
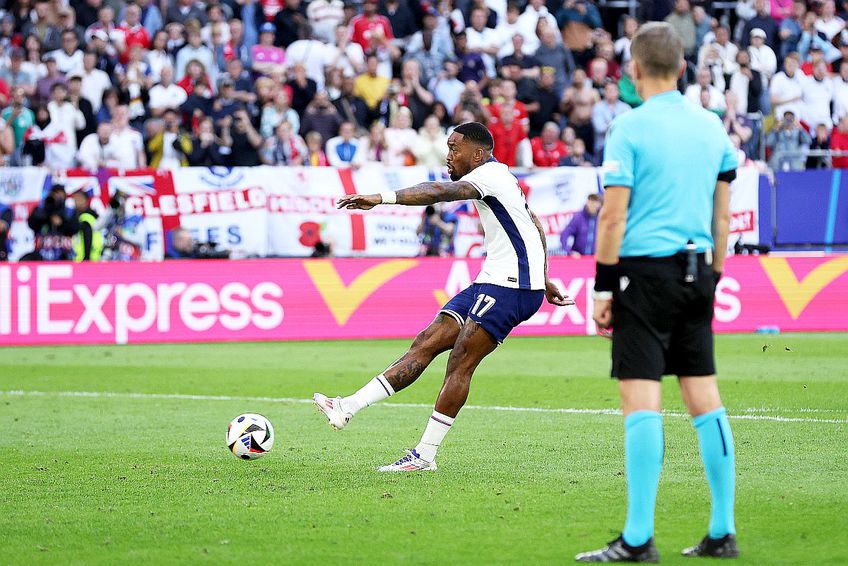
(371, 30)
(509, 102)
(401, 18)
(719, 56)
(471, 64)
(291, 24)
(242, 82)
(627, 86)
(703, 26)
(693, 92)
(68, 58)
(325, 16)
(370, 86)
(345, 150)
(104, 26)
(238, 48)
(315, 156)
(133, 81)
(483, 40)
(436, 231)
(817, 97)
(350, 106)
(820, 142)
(182, 245)
(508, 134)
(416, 97)
(88, 241)
(151, 17)
(377, 147)
(429, 56)
(554, 54)
(285, 148)
(791, 28)
(534, 12)
(107, 106)
(303, 88)
(182, 11)
(44, 86)
(734, 123)
(19, 118)
(94, 81)
(96, 151)
(446, 88)
(622, 44)
(166, 95)
(54, 224)
(313, 55)
(64, 115)
(763, 22)
(400, 139)
(241, 140)
(598, 74)
(578, 101)
(547, 148)
(169, 148)
(684, 24)
(786, 88)
(577, 156)
(131, 32)
(33, 62)
(815, 54)
(276, 112)
(829, 23)
(747, 85)
(7, 143)
(125, 235)
(15, 75)
(39, 23)
(839, 143)
(82, 104)
(225, 104)
(788, 143)
(604, 112)
(431, 147)
(509, 28)
(195, 74)
(542, 103)
(126, 141)
(195, 51)
(580, 234)
(840, 94)
(205, 146)
(763, 58)
(321, 116)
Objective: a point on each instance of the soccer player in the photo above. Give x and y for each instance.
(662, 240)
(509, 290)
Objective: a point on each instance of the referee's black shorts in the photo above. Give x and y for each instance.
(662, 325)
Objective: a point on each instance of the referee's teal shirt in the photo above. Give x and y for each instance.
(669, 152)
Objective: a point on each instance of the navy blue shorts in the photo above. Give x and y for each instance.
(497, 309)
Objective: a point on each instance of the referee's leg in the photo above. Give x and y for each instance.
(702, 399)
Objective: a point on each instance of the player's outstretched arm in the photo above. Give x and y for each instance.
(420, 194)
(552, 292)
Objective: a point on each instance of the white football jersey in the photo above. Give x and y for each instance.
(515, 257)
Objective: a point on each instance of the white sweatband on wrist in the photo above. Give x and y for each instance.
(602, 295)
(389, 197)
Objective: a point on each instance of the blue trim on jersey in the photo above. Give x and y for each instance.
(514, 237)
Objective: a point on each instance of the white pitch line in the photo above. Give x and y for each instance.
(295, 400)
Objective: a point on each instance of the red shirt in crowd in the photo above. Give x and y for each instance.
(519, 113)
(506, 142)
(133, 36)
(839, 142)
(547, 156)
(363, 29)
(270, 9)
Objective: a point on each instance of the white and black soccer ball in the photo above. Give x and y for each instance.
(250, 436)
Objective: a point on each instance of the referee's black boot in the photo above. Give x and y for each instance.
(724, 547)
(620, 551)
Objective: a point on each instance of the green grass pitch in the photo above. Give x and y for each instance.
(146, 478)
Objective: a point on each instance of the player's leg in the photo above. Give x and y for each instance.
(709, 417)
(438, 337)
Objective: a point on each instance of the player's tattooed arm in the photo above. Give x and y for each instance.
(420, 194)
(552, 292)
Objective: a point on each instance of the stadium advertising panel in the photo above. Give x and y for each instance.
(294, 299)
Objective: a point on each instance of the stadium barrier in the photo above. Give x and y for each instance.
(285, 211)
(312, 299)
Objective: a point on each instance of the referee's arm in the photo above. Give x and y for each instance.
(721, 222)
(611, 223)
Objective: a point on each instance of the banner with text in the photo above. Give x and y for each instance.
(311, 299)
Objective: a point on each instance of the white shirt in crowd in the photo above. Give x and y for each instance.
(94, 84)
(447, 91)
(126, 145)
(840, 98)
(530, 18)
(717, 101)
(313, 55)
(399, 141)
(67, 118)
(727, 55)
(170, 156)
(787, 88)
(67, 63)
(817, 96)
(324, 16)
(164, 97)
(763, 60)
(501, 200)
(830, 27)
(92, 154)
(739, 84)
(483, 40)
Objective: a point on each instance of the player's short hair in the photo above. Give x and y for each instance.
(477, 133)
(658, 50)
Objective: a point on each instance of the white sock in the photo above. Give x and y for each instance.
(375, 390)
(437, 427)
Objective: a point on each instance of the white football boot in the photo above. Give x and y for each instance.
(332, 409)
(411, 462)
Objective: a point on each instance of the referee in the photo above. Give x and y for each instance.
(662, 239)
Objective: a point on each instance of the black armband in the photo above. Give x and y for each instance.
(606, 276)
(727, 176)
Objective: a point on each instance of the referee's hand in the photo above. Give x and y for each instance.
(602, 314)
(554, 297)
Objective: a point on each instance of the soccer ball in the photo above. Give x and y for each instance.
(250, 436)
